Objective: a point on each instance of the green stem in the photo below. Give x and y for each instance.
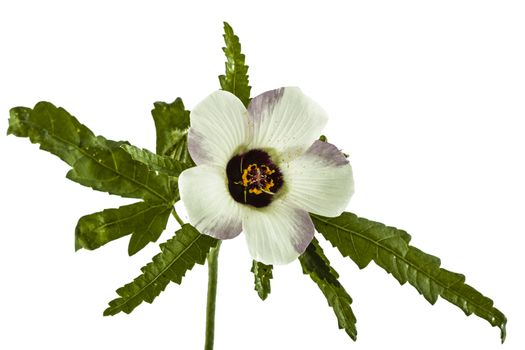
(177, 217)
(213, 258)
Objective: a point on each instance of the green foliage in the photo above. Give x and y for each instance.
(144, 220)
(96, 162)
(122, 169)
(162, 164)
(316, 264)
(236, 78)
(363, 241)
(172, 122)
(178, 255)
(262, 274)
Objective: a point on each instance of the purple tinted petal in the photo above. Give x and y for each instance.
(327, 153)
(278, 234)
(208, 203)
(197, 147)
(320, 181)
(306, 227)
(264, 104)
(219, 126)
(285, 120)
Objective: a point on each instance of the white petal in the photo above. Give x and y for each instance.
(219, 125)
(320, 181)
(286, 120)
(210, 207)
(277, 234)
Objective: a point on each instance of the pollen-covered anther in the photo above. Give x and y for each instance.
(253, 178)
(257, 179)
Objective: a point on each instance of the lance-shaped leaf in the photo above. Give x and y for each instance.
(178, 255)
(316, 264)
(262, 274)
(172, 122)
(145, 221)
(364, 240)
(156, 162)
(96, 162)
(236, 78)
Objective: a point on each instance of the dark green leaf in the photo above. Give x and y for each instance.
(163, 164)
(316, 264)
(262, 275)
(144, 220)
(172, 122)
(364, 240)
(96, 162)
(236, 78)
(178, 255)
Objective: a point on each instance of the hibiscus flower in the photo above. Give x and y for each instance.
(262, 170)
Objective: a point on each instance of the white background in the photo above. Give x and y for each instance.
(426, 97)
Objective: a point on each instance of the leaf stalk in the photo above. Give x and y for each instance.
(177, 217)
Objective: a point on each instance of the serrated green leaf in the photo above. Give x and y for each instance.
(317, 266)
(364, 240)
(144, 220)
(172, 122)
(262, 274)
(96, 162)
(163, 164)
(178, 255)
(236, 78)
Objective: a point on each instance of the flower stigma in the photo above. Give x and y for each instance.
(253, 178)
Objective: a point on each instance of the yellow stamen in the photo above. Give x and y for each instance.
(246, 181)
(269, 185)
(255, 191)
(267, 170)
(245, 174)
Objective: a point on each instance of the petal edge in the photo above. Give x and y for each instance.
(278, 234)
(209, 205)
(285, 119)
(320, 181)
(219, 126)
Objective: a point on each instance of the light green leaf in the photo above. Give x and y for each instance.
(172, 122)
(163, 164)
(236, 78)
(364, 240)
(145, 221)
(96, 162)
(262, 274)
(316, 264)
(178, 255)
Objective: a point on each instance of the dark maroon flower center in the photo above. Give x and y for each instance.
(253, 178)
